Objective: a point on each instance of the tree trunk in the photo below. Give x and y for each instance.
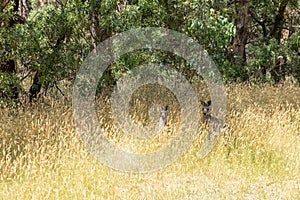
(279, 21)
(9, 66)
(278, 72)
(23, 9)
(35, 87)
(241, 24)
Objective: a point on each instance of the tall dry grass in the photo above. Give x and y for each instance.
(41, 156)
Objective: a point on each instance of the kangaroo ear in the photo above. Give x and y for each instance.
(209, 103)
(163, 108)
(202, 102)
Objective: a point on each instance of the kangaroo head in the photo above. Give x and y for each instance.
(163, 117)
(164, 111)
(206, 106)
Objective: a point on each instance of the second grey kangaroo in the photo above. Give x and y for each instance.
(208, 118)
(163, 117)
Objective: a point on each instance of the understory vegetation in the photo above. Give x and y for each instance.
(258, 157)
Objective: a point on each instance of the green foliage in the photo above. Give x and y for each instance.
(51, 43)
(9, 87)
(56, 37)
(264, 47)
(59, 46)
(266, 57)
(214, 30)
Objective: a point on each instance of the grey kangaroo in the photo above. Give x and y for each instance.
(206, 112)
(207, 117)
(163, 117)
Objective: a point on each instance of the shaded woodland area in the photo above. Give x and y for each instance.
(43, 43)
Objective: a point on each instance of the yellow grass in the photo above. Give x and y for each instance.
(41, 156)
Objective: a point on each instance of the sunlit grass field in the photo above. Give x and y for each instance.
(257, 157)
